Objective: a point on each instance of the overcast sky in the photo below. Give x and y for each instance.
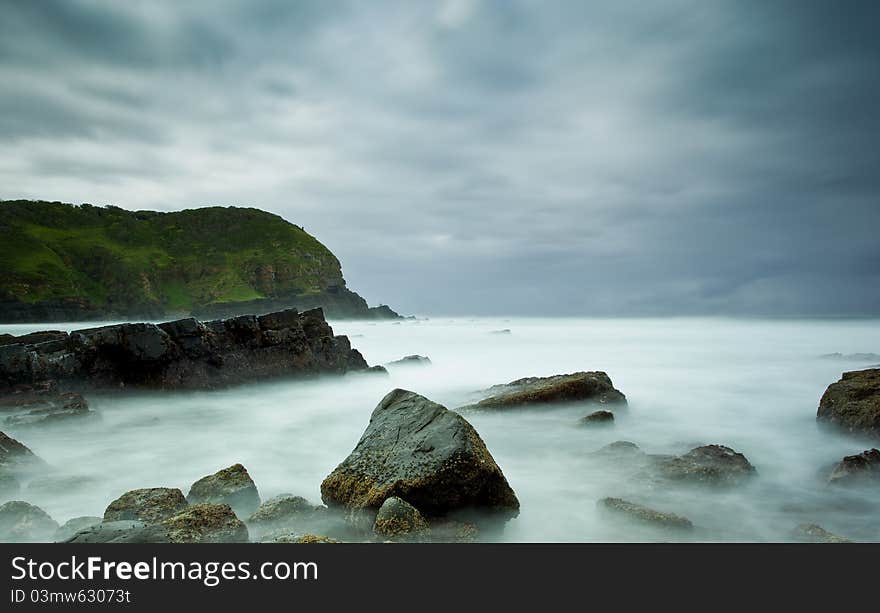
(468, 157)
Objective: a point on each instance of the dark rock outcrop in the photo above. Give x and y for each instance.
(411, 360)
(597, 418)
(149, 505)
(853, 403)
(232, 486)
(399, 519)
(715, 465)
(558, 389)
(16, 458)
(180, 354)
(429, 456)
(206, 523)
(646, 515)
(857, 468)
(22, 522)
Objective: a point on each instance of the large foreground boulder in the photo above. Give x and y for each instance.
(558, 389)
(425, 454)
(149, 505)
(232, 486)
(853, 403)
(22, 522)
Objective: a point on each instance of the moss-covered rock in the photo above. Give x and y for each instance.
(715, 465)
(852, 404)
(597, 418)
(399, 519)
(857, 468)
(643, 514)
(429, 456)
(232, 486)
(149, 505)
(206, 523)
(558, 389)
(22, 522)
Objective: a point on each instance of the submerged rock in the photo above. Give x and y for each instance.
(22, 522)
(121, 531)
(620, 450)
(399, 519)
(15, 457)
(422, 452)
(48, 409)
(149, 505)
(411, 360)
(597, 418)
(814, 533)
(232, 486)
(853, 403)
(856, 468)
(179, 354)
(707, 465)
(206, 523)
(283, 509)
(644, 514)
(576, 387)
(73, 526)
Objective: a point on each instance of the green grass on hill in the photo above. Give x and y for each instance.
(113, 258)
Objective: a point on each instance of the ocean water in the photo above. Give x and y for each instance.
(753, 385)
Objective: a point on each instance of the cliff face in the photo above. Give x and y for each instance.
(64, 262)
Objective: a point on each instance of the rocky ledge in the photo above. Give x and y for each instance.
(853, 403)
(178, 354)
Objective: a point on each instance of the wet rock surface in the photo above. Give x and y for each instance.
(45, 409)
(715, 465)
(149, 505)
(206, 523)
(858, 468)
(597, 418)
(399, 519)
(645, 515)
(559, 389)
(420, 451)
(813, 533)
(232, 486)
(121, 531)
(178, 354)
(22, 522)
(852, 404)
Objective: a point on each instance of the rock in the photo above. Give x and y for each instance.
(206, 523)
(22, 522)
(9, 487)
(646, 515)
(72, 526)
(446, 530)
(399, 519)
(411, 360)
(707, 465)
(558, 389)
(853, 403)
(283, 509)
(232, 486)
(121, 531)
(420, 451)
(149, 505)
(619, 450)
(15, 457)
(51, 409)
(314, 538)
(504, 331)
(817, 534)
(597, 418)
(857, 468)
(377, 370)
(179, 354)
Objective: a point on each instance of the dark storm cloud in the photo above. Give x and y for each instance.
(482, 156)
